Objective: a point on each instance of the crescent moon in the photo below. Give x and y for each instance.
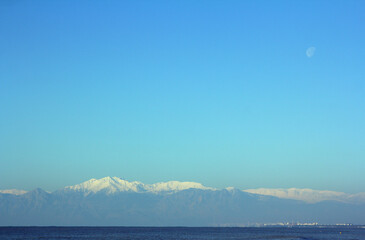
(310, 52)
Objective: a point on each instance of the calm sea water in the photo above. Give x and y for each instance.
(180, 233)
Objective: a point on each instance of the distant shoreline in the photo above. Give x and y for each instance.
(162, 227)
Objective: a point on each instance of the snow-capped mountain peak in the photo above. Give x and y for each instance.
(111, 185)
(175, 186)
(13, 191)
(114, 185)
(107, 184)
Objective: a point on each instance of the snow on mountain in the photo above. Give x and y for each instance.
(174, 186)
(193, 207)
(111, 185)
(356, 198)
(309, 195)
(13, 191)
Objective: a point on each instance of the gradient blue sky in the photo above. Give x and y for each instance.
(217, 92)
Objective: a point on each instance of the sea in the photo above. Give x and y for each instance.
(185, 233)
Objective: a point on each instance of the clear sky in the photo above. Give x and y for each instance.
(227, 93)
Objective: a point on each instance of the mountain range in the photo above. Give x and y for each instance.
(112, 201)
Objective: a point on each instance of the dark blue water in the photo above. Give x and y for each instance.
(180, 233)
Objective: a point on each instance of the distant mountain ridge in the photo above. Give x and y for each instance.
(111, 185)
(114, 185)
(309, 195)
(112, 201)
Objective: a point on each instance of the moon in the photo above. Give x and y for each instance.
(310, 52)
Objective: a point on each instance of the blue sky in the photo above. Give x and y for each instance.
(217, 92)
